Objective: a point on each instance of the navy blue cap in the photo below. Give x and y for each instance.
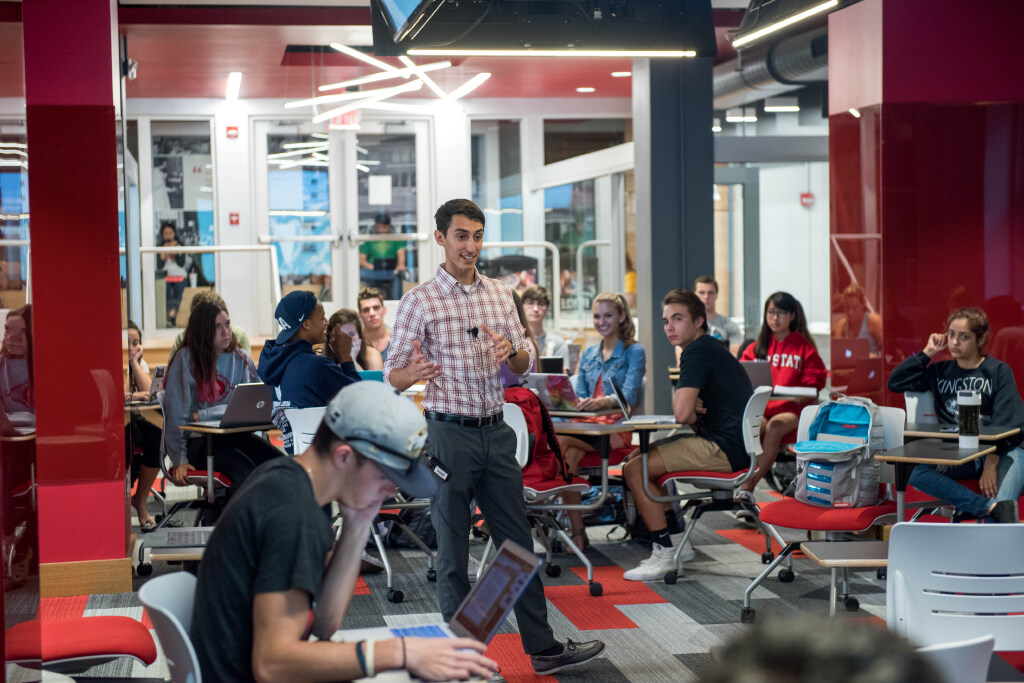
(291, 311)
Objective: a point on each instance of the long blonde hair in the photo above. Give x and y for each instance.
(627, 331)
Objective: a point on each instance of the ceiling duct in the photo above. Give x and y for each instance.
(782, 67)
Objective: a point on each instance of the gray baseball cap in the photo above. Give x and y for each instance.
(387, 428)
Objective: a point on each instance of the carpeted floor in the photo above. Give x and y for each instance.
(652, 631)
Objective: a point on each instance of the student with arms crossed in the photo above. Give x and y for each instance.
(1001, 475)
(711, 395)
(454, 331)
(272, 573)
(720, 327)
(785, 342)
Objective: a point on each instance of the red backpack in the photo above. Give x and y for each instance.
(545, 460)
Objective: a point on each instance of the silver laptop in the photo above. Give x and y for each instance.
(194, 537)
(759, 372)
(250, 406)
(554, 390)
(484, 609)
(627, 410)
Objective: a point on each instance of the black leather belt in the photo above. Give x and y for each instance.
(464, 420)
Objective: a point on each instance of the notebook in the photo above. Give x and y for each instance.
(484, 609)
(250, 406)
(554, 390)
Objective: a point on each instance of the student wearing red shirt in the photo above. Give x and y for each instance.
(784, 342)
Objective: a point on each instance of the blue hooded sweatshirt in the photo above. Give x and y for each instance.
(301, 379)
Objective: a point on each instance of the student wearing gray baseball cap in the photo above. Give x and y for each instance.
(263, 569)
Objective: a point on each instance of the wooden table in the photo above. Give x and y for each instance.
(926, 452)
(837, 555)
(211, 432)
(577, 413)
(924, 430)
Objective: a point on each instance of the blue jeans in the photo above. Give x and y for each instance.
(943, 485)
(384, 280)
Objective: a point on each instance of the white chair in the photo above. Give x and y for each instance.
(304, 423)
(920, 407)
(965, 661)
(956, 581)
(515, 419)
(169, 601)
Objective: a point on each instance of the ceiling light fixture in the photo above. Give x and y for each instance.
(469, 86)
(424, 77)
(381, 95)
(234, 83)
(788, 21)
(301, 145)
(364, 169)
(776, 105)
(737, 115)
(716, 125)
(385, 75)
(400, 108)
(362, 56)
(855, 112)
(443, 52)
(355, 95)
(19, 145)
(297, 153)
(621, 74)
(586, 89)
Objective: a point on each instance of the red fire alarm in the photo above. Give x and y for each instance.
(233, 218)
(232, 132)
(807, 199)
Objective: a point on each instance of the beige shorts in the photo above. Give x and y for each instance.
(690, 452)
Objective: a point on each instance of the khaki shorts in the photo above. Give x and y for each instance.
(690, 452)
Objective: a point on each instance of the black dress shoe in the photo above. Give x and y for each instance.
(572, 653)
(1005, 512)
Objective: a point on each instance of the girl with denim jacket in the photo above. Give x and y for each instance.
(616, 357)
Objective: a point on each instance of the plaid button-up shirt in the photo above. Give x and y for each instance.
(441, 315)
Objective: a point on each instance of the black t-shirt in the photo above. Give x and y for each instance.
(706, 364)
(1000, 403)
(271, 537)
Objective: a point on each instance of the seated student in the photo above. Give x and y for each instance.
(139, 431)
(619, 357)
(858, 322)
(785, 342)
(272, 572)
(201, 297)
(535, 303)
(1001, 475)
(366, 357)
(200, 382)
(372, 310)
(720, 327)
(508, 378)
(301, 378)
(711, 395)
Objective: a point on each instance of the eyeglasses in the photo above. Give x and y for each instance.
(776, 313)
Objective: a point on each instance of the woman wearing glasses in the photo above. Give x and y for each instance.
(785, 342)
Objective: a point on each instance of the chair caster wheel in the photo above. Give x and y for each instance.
(748, 615)
(767, 556)
(851, 604)
(881, 573)
(144, 569)
(596, 589)
(431, 575)
(671, 578)
(553, 570)
(395, 596)
(786, 575)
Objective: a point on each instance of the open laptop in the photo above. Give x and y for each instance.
(846, 352)
(554, 390)
(627, 411)
(759, 372)
(154, 388)
(250, 406)
(484, 609)
(194, 537)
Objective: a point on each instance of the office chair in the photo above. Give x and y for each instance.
(168, 600)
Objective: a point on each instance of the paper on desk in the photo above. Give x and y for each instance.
(808, 392)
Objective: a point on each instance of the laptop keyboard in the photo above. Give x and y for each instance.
(188, 539)
(432, 631)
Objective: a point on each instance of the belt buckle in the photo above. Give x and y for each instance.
(480, 421)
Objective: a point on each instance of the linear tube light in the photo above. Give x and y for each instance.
(355, 95)
(788, 21)
(746, 115)
(469, 86)
(776, 105)
(385, 75)
(446, 52)
(424, 77)
(408, 87)
(356, 54)
(234, 84)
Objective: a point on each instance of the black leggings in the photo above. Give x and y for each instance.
(140, 432)
(234, 455)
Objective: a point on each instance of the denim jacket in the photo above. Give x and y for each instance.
(626, 365)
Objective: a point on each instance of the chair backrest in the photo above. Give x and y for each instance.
(169, 601)
(753, 413)
(920, 407)
(304, 422)
(965, 661)
(956, 581)
(807, 415)
(515, 419)
(893, 421)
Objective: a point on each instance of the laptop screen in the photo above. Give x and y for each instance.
(620, 398)
(494, 596)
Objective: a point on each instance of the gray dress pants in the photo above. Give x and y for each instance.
(483, 466)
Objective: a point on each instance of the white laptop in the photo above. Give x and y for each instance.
(484, 609)
(250, 406)
(554, 389)
(627, 410)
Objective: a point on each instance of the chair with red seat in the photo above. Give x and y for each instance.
(790, 513)
(74, 645)
(717, 490)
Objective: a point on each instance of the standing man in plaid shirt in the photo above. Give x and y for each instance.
(454, 332)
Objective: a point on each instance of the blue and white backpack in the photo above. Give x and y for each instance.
(835, 465)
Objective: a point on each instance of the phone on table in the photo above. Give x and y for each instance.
(950, 429)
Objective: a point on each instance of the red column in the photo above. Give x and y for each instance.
(71, 88)
(927, 184)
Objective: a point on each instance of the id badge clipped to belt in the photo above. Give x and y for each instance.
(438, 468)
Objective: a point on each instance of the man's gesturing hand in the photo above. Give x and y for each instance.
(503, 348)
(419, 368)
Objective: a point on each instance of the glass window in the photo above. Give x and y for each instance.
(569, 221)
(299, 206)
(387, 209)
(568, 138)
(182, 212)
(14, 213)
(728, 208)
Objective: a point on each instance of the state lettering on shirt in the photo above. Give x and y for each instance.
(786, 360)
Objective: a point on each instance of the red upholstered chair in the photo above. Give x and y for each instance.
(790, 513)
(717, 490)
(73, 645)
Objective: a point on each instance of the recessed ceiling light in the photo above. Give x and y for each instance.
(586, 89)
(775, 105)
(855, 112)
(621, 74)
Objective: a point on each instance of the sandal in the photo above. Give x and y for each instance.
(580, 540)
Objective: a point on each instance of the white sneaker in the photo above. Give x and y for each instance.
(688, 553)
(655, 567)
(748, 496)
